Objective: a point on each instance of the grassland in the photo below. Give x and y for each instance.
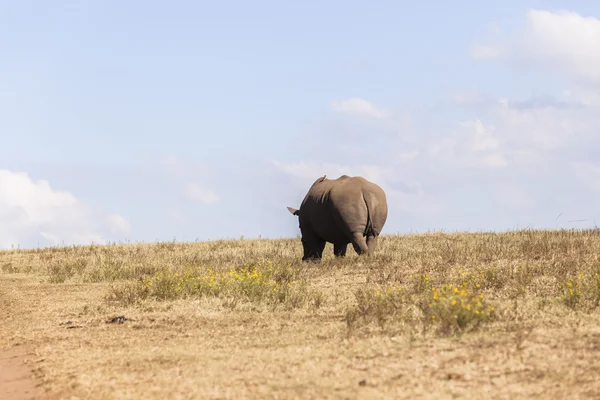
(500, 315)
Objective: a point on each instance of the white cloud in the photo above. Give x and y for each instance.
(552, 139)
(563, 41)
(482, 138)
(195, 192)
(118, 223)
(32, 212)
(194, 178)
(583, 96)
(521, 133)
(359, 107)
(473, 145)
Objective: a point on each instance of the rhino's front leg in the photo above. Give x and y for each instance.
(313, 248)
(339, 250)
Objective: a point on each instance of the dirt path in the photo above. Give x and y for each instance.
(16, 381)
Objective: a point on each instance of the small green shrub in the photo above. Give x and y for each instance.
(60, 272)
(582, 291)
(9, 268)
(259, 283)
(377, 305)
(457, 309)
(450, 309)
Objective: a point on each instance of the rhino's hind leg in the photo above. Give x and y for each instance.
(359, 243)
(371, 243)
(339, 250)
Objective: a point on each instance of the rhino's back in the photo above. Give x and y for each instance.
(327, 192)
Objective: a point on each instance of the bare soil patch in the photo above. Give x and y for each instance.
(16, 378)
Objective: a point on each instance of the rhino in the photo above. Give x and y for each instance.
(341, 211)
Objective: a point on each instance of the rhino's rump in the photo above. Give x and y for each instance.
(349, 210)
(377, 208)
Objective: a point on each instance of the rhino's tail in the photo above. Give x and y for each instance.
(369, 231)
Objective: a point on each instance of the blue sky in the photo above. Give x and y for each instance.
(194, 120)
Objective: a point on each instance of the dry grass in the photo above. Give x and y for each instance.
(433, 315)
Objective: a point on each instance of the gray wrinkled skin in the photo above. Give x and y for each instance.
(341, 211)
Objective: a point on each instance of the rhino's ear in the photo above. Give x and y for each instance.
(293, 211)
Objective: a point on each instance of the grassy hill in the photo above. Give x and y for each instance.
(429, 315)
